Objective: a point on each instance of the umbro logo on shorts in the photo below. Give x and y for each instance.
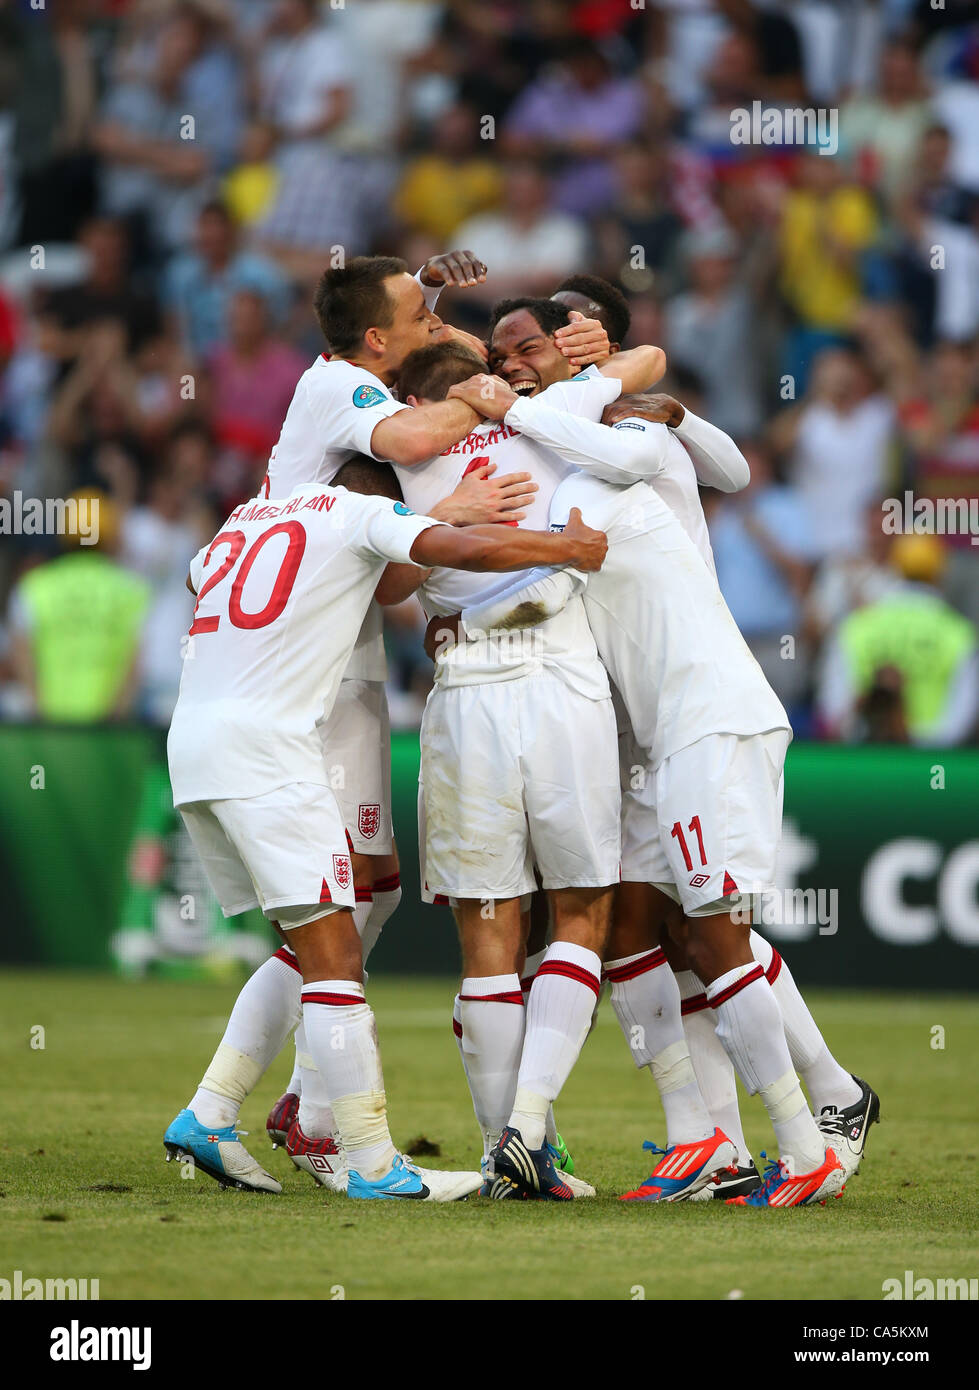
(699, 880)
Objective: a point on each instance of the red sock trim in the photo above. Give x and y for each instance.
(457, 1027)
(649, 961)
(509, 996)
(694, 1004)
(387, 884)
(328, 997)
(288, 957)
(363, 895)
(570, 971)
(774, 966)
(717, 1000)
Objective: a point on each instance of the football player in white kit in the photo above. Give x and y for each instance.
(373, 313)
(281, 595)
(844, 1105)
(503, 787)
(714, 736)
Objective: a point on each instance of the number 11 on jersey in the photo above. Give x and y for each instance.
(677, 833)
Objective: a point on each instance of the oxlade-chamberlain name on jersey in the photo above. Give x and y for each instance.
(281, 595)
(563, 646)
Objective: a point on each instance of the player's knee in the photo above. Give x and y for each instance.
(701, 955)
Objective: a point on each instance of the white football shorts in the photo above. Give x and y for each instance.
(356, 742)
(704, 827)
(517, 773)
(285, 849)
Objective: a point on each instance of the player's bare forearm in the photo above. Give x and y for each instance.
(637, 368)
(414, 436)
(501, 548)
(399, 582)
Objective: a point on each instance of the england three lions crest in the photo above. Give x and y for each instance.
(341, 869)
(369, 821)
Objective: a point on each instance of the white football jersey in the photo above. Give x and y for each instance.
(331, 416)
(281, 595)
(564, 644)
(660, 622)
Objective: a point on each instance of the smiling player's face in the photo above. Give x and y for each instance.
(525, 356)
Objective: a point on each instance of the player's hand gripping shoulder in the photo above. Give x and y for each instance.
(480, 499)
(489, 395)
(657, 408)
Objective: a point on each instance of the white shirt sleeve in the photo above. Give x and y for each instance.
(347, 409)
(431, 292)
(197, 566)
(625, 453)
(586, 394)
(386, 530)
(717, 460)
(539, 594)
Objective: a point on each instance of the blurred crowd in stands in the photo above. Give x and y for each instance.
(175, 174)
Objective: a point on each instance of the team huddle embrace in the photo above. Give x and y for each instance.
(600, 796)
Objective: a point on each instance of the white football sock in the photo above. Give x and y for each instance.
(316, 1118)
(559, 1011)
(531, 966)
(342, 1038)
(646, 1001)
(826, 1081)
(711, 1064)
(386, 896)
(265, 1013)
(295, 1086)
(492, 1020)
(749, 1025)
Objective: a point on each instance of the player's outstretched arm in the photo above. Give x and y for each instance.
(410, 437)
(637, 368)
(532, 599)
(619, 456)
(508, 548)
(717, 460)
(525, 602)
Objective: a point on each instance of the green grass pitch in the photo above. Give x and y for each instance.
(84, 1191)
